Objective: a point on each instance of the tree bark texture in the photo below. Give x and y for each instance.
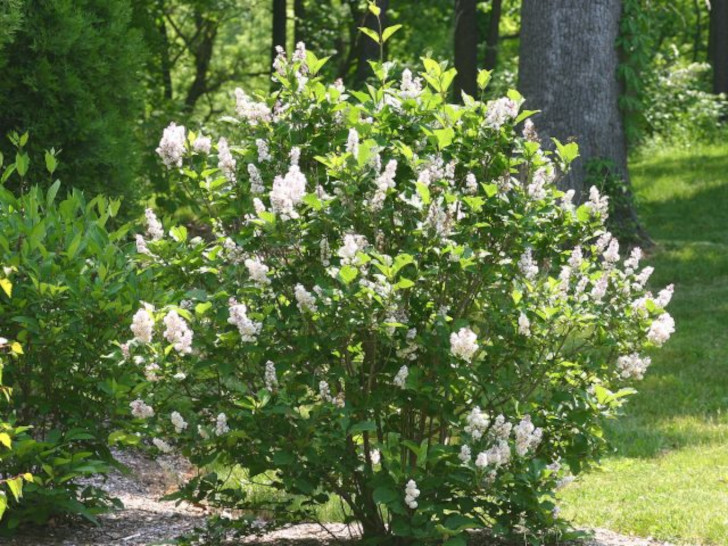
(718, 45)
(492, 38)
(299, 12)
(466, 48)
(279, 27)
(568, 70)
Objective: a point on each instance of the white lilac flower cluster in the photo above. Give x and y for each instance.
(202, 144)
(383, 183)
(248, 329)
(501, 111)
(172, 146)
(271, 379)
(252, 111)
(141, 410)
(400, 380)
(527, 436)
(527, 265)
(325, 394)
(178, 422)
(352, 143)
(178, 333)
(155, 231)
(142, 325)
(305, 300)
(524, 325)
(353, 244)
(411, 494)
(661, 329)
(287, 193)
(257, 270)
(225, 160)
(633, 366)
(409, 87)
(463, 344)
(221, 424)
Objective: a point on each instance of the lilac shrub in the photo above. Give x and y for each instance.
(395, 306)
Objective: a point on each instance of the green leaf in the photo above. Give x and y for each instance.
(51, 162)
(483, 78)
(5, 440)
(7, 286)
(369, 32)
(515, 96)
(202, 307)
(376, 10)
(52, 191)
(178, 233)
(444, 137)
(16, 487)
(389, 31)
(404, 284)
(490, 189)
(424, 192)
(517, 295)
(384, 495)
(567, 152)
(431, 66)
(348, 273)
(22, 162)
(363, 426)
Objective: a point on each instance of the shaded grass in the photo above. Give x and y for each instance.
(668, 475)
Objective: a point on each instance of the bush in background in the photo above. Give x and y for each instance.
(70, 76)
(397, 308)
(682, 109)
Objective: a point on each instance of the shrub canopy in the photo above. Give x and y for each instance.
(395, 306)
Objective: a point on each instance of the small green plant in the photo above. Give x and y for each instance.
(395, 307)
(682, 109)
(72, 292)
(9, 430)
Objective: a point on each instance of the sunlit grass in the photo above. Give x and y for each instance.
(668, 475)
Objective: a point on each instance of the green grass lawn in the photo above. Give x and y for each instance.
(668, 475)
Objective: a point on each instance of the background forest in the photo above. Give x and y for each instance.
(182, 60)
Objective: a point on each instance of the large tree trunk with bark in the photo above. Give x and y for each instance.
(718, 45)
(568, 70)
(466, 47)
(492, 38)
(299, 13)
(279, 27)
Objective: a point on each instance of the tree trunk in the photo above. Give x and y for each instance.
(299, 13)
(279, 27)
(165, 61)
(206, 30)
(368, 49)
(493, 36)
(466, 48)
(718, 45)
(568, 70)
